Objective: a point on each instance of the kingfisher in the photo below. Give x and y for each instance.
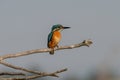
(54, 36)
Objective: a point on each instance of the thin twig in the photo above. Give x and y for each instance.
(11, 73)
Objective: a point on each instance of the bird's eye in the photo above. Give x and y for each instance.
(59, 28)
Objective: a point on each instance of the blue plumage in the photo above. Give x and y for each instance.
(56, 26)
(49, 37)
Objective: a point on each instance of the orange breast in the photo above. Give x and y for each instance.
(55, 39)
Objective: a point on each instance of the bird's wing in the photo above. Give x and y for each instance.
(50, 37)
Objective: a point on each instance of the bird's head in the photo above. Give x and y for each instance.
(59, 27)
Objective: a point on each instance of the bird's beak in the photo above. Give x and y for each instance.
(66, 27)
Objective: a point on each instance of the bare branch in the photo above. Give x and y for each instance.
(12, 73)
(54, 74)
(84, 43)
(31, 71)
(20, 68)
(37, 73)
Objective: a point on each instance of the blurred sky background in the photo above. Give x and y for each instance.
(25, 25)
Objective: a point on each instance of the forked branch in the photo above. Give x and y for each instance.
(36, 73)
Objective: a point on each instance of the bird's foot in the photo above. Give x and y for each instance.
(57, 46)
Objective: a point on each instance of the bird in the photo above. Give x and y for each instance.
(54, 36)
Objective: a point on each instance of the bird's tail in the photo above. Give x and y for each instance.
(52, 52)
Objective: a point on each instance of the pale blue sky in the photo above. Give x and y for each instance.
(25, 24)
